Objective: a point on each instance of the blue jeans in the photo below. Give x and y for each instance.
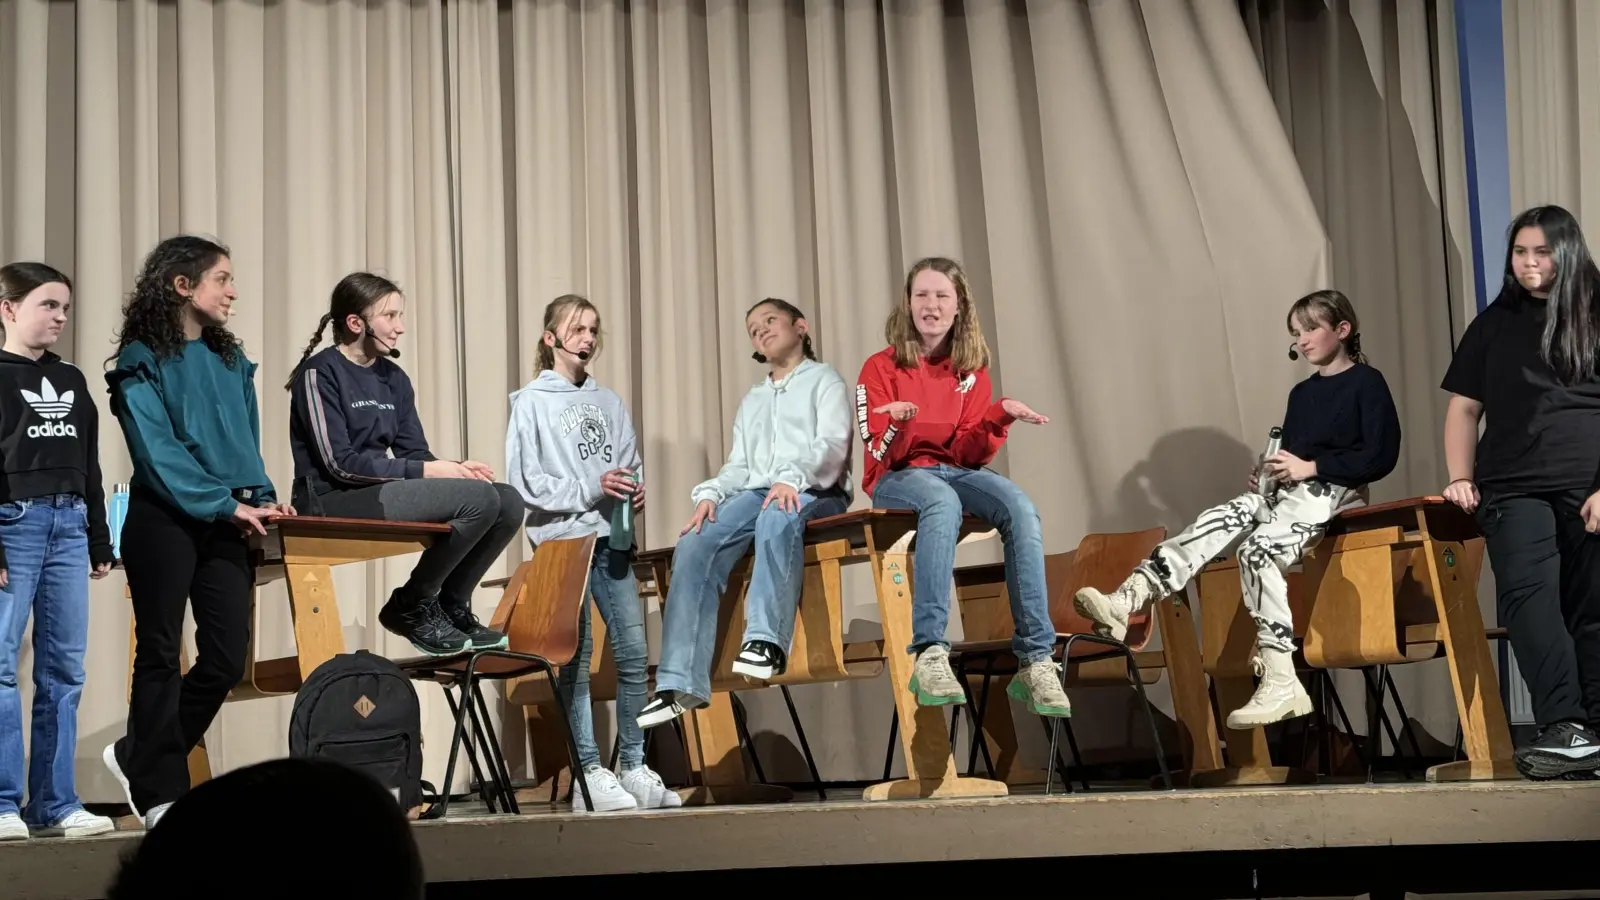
(700, 568)
(940, 495)
(612, 588)
(47, 567)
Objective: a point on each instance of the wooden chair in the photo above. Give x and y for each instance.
(538, 612)
(1397, 583)
(303, 550)
(1101, 561)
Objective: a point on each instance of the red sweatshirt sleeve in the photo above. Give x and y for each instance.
(880, 434)
(983, 426)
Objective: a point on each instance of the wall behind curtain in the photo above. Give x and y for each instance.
(1114, 176)
(1368, 92)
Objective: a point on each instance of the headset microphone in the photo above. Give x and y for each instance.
(388, 350)
(1293, 353)
(581, 354)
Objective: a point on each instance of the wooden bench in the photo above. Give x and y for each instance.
(1102, 561)
(303, 550)
(1389, 584)
(882, 538)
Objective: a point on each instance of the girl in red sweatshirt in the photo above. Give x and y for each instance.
(923, 409)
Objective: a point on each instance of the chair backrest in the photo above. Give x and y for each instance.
(539, 610)
(1101, 561)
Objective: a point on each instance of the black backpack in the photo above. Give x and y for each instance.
(361, 710)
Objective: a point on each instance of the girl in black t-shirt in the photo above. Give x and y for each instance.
(1530, 362)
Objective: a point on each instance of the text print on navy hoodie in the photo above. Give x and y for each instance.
(561, 439)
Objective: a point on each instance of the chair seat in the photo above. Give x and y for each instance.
(999, 659)
(431, 667)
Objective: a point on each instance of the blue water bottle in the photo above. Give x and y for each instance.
(622, 522)
(116, 514)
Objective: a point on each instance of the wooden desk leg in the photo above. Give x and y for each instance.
(930, 767)
(1249, 756)
(1186, 678)
(318, 635)
(1483, 718)
(716, 760)
(199, 759)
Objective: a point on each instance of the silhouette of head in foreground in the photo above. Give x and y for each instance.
(289, 829)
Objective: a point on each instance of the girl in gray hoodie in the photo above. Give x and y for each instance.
(572, 454)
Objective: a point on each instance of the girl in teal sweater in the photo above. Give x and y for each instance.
(184, 394)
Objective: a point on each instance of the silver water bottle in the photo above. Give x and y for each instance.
(1266, 484)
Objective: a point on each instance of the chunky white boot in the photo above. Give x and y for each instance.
(1279, 696)
(1110, 612)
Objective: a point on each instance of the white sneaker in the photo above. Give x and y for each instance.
(78, 823)
(155, 814)
(648, 790)
(109, 757)
(1110, 612)
(1279, 696)
(608, 793)
(12, 828)
(932, 681)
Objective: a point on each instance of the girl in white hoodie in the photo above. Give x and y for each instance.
(789, 464)
(572, 454)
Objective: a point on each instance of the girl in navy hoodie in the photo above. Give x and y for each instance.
(359, 452)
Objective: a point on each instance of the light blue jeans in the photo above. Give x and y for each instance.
(700, 568)
(613, 590)
(941, 495)
(47, 566)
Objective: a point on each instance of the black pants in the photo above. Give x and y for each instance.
(171, 558)
(1547, 576)
(483, 518)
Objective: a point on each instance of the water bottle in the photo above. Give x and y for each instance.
(622, 522)
(1265, 484)
(116, 514)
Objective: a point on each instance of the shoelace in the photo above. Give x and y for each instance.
(1258, 666)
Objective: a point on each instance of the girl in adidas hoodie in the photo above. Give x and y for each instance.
(790, 463)
(572, 454)
(53, 536)
(924, 412)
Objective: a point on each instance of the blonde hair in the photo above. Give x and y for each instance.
(560, 310)
(1329, 308)
(969, 352)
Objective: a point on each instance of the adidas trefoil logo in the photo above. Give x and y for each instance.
(50, 407)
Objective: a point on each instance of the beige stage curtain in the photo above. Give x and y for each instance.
(308, 136)
(1112, 175)
(1552, 98)
(1369, 93)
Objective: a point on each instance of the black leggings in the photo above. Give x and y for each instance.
(1547, 577)
(172, 560)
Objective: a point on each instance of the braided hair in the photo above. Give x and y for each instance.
(352, 296)
(795, 315)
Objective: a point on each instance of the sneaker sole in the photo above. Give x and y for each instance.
(109, 757)
(1300, 707)
(659, 717)
(14, 835)
(1019, 691)
(1537, 766)
(90, 831)
(753, 670)
(501, 644)
(1096, 607)
(927, 699)
(439, 652)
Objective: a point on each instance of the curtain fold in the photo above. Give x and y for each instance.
(1552, 92)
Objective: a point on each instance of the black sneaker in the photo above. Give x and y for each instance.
(423, 624)
(1568, 750)
(664, 707)
(479, 635)
(761, 660)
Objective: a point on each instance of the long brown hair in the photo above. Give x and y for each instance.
(560, 310)
(352, 296)
(1329, 308)
(969, 352)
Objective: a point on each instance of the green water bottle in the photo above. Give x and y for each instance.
(622, 522)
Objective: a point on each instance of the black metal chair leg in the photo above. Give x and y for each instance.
(976, 711)
(1049, 724)
(1077, 758)
(488, 788)
(743, 726)
(1149, 715)
(894, 732)
(455, 747)
(497, 753)
(1338, 705)
(1405, 718)
(805, 746)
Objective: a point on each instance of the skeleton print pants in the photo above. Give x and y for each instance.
(1295, 521)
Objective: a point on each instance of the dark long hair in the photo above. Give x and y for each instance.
(1571, 340)
(153, 312)
(19, 279)
(352, 296)
(795, 315)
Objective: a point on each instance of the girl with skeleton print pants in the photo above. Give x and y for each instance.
(1340, 433)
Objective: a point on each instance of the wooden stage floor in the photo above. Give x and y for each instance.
(470, 846)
